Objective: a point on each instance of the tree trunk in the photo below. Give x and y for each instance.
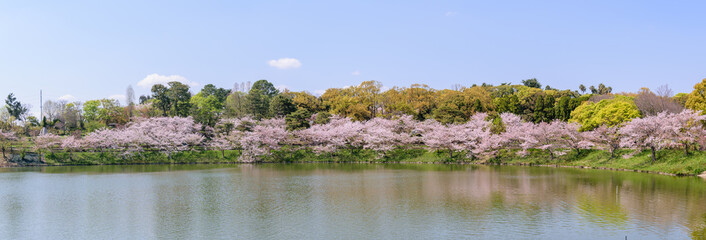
(686, 149)
(551, 155)
(451, 154)
(578, 151)
(653, 154)
(223, 153)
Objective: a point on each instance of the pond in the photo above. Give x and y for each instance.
(347, 201)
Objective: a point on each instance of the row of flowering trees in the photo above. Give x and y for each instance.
(164, 134)
(480, 136)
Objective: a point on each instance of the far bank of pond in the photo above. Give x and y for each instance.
(670, 162)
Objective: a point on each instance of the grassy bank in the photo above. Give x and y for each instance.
(668, 161)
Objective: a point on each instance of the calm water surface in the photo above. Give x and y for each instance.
(346, 201)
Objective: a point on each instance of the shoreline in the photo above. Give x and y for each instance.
(702, 175)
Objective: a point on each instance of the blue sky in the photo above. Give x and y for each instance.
(95, 49)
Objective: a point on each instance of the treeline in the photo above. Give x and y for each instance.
(483, 136)
(589, 106)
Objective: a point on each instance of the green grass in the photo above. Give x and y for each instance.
(668, 161)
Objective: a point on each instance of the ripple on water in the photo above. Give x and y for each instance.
(343, 202)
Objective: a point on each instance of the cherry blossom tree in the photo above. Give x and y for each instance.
(269, 135)
(164, 134)
(383, 135)
(515, 130)
(167, 134)
(649, 132)
(101, 139)
(71, 144)
(572, 138)
(606, 138)
(220, 143)
(378, 135)
(545, 136)
(437, 136)
(685, 128)
(476, 132)
(47, 142)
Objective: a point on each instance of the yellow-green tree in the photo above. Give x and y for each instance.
(697, 98)
(360, 102)
(307, 101)
(610, 112)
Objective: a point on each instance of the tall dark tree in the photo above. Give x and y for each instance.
(172, 99)
(259, 97)
(582, 88)
(281, 106)
(162, 101)
(298, 119)
(602, 89)
(179, 96)
(593, 89)
(532, 82)
(15, 108)
(220, 93)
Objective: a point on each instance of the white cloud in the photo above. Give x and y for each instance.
(121, 98)
(451, 14)
(355, 73)
(154, 79)
(319, 92)
(285, 63)
(67, 97)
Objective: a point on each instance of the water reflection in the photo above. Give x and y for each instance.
(347, 201)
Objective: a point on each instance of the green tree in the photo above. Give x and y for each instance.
(509, 103)
(161, 98)
(15, 108)
(298, 119)
(173, 99)
(610, 112)
(697, 98)
(548, 108)
(562, 108)
(281, 106)
(681, 98)
(532, 82)
(206, 110)
(582, 88)
(179, 97)
(33, 121)
(208, 105)
(259, 98)
(236, 105)
(448, 113)
(90, 110)
(221, 94)
(322, 118)
(602, 89)
(106, 111)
